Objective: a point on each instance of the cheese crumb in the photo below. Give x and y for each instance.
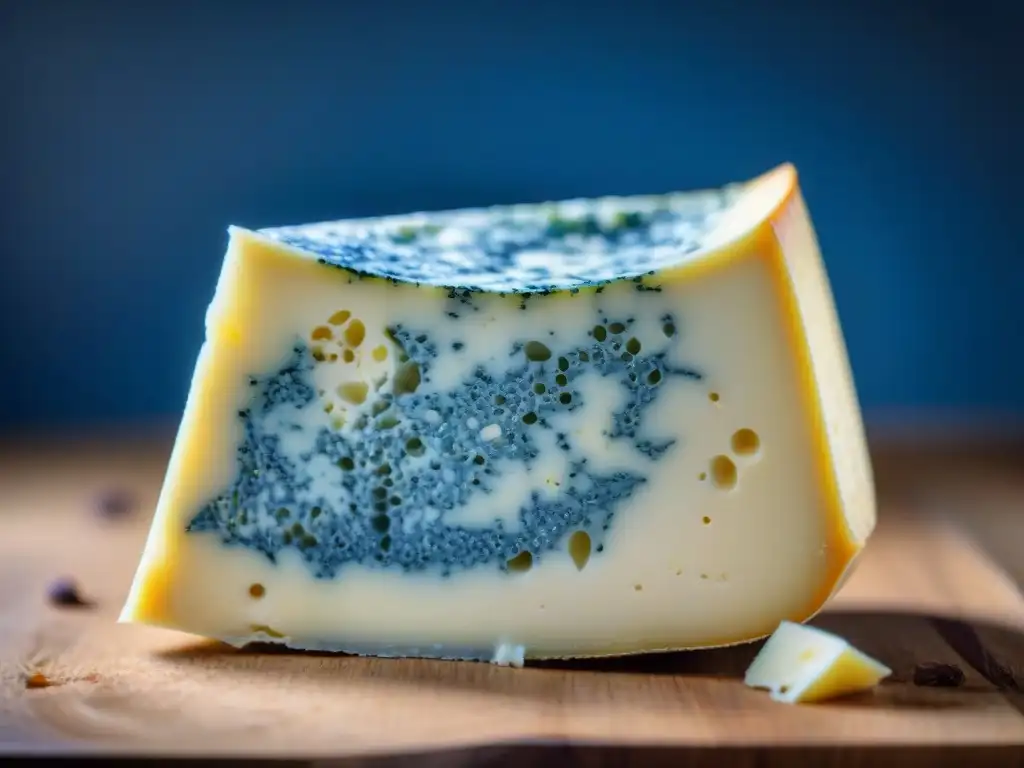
(803, 664)
(509, 655)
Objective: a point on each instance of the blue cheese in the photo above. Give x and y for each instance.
(580, 428)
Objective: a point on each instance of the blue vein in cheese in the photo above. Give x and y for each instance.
(401, 469)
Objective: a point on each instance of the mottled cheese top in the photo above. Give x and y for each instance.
(520, 248)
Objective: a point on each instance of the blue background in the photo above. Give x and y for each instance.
(133, 133)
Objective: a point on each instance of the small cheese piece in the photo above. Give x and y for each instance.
(802, 664)
(582, 428)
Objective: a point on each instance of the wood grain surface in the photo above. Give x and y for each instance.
(939, 582)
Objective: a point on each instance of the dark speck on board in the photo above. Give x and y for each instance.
(116, 503)
(937, 675)
(64, 592)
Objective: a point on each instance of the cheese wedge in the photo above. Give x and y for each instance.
(589, 427)
(801, 664)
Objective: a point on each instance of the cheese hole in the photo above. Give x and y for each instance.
(387, 421)
(702, 476)
(521, 563)
(321, 333)
(407, 379)
(328, 407)
(256, 591)
(579, 549)
(638, 587)
(745, 442)
(318, 354)
(654, 377)
(380, 353)
(723, 472)
(339, 317)
(706, 520)
(268, 631)
(714, 397)
(537, 351)
(348, 355)
(355, 332)
(600, 333)
(633, 346)
(414, 446)
(353, 392)
(668, 329)
(333, 357)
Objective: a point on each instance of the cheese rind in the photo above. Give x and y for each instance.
(803, 664)
(629, 425)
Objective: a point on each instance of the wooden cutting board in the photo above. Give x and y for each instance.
(924, 592)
